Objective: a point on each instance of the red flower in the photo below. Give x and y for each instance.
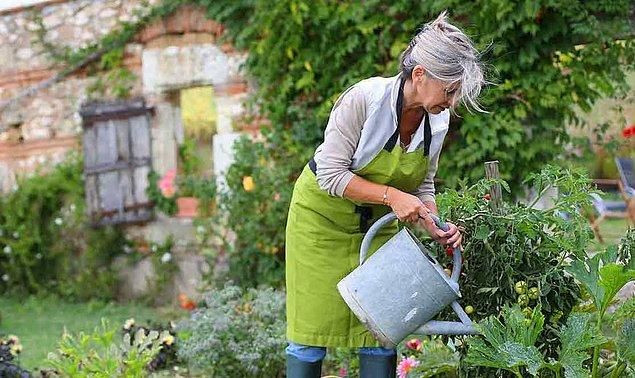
(487, 197)
(414, 344)
(629, 131)
(449, 251)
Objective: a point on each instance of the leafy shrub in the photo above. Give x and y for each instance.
(239, 333)
(518, 254)
(46, 242)
(166, 356)
(100, 354)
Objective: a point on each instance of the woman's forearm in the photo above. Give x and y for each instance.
(362, 190)
(431, 206)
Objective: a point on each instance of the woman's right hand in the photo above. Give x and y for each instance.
(407, 207)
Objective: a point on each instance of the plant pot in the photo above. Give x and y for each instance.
(187, 207)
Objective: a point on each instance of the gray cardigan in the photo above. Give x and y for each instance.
(361, 122)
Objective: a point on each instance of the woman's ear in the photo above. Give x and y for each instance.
(418, 73)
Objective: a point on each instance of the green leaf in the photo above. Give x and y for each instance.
(482, 231)
(509, 345)
(603, 282)
(612, 278)
(577, 337)
(626, 341)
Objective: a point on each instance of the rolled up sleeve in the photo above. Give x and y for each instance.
(426, 191)
(343, 131)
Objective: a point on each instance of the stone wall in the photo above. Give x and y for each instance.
(177, 52)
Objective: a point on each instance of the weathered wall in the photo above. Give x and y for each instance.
(178, 52)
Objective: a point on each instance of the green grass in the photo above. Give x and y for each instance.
(39, 322)
(612, 230)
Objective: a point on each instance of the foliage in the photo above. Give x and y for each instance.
(238, 333)
(46, 242)
(164, 267)
(510, 344)
(301, 63)
(166, 356)
(433, 357)
(549, 58)
(166, 205)
(603, 275)
(257, 254)
(518, 245)
(100, 354)
(113, 79)
(163, 191)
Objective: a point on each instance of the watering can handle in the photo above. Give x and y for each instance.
(381, 222)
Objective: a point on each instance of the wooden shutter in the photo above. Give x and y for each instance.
(117, 160)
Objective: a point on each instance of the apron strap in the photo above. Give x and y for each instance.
(393, 138)
(427, 135)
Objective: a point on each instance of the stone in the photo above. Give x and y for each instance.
(175, 67)
(24, 53)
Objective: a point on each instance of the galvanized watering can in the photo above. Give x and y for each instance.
(401, 287)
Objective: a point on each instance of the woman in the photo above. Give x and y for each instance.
(380, 153)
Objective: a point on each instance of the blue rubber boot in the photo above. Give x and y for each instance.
(377, 366)
(301, 369)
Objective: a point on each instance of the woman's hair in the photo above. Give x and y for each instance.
(447, 54)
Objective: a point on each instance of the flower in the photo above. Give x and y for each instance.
(343, 372)
(154, 248)
(276, 197)
(5, 277)
(7, 250)
(38, 256)
(72, 207)
(248, 183)
(166, 257)
(128, 324)
(166, 184)
(13, 339)
(629, 132)
(414, 344)
(16, 235)
(58, 221)
(16, 349)
(200, 229)
(405, 366)
(168, 339)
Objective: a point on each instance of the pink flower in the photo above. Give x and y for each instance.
(405, 366)
(343, 373)
(166, 184)
(414, 344)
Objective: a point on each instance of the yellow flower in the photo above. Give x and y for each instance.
(168, 340)
(248, 183)
(16, 349)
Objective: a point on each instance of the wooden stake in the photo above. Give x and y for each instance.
(491, 172)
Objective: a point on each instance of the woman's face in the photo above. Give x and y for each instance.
(433, 95)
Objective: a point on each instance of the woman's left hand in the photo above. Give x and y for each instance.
(452, 237)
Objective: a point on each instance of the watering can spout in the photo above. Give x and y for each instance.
(436, 327)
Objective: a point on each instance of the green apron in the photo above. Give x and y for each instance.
(323, 238)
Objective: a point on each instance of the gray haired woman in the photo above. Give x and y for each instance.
(380, 153)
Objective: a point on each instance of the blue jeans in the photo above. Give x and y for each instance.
(306, 353)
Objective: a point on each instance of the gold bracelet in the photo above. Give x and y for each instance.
(383, 200)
